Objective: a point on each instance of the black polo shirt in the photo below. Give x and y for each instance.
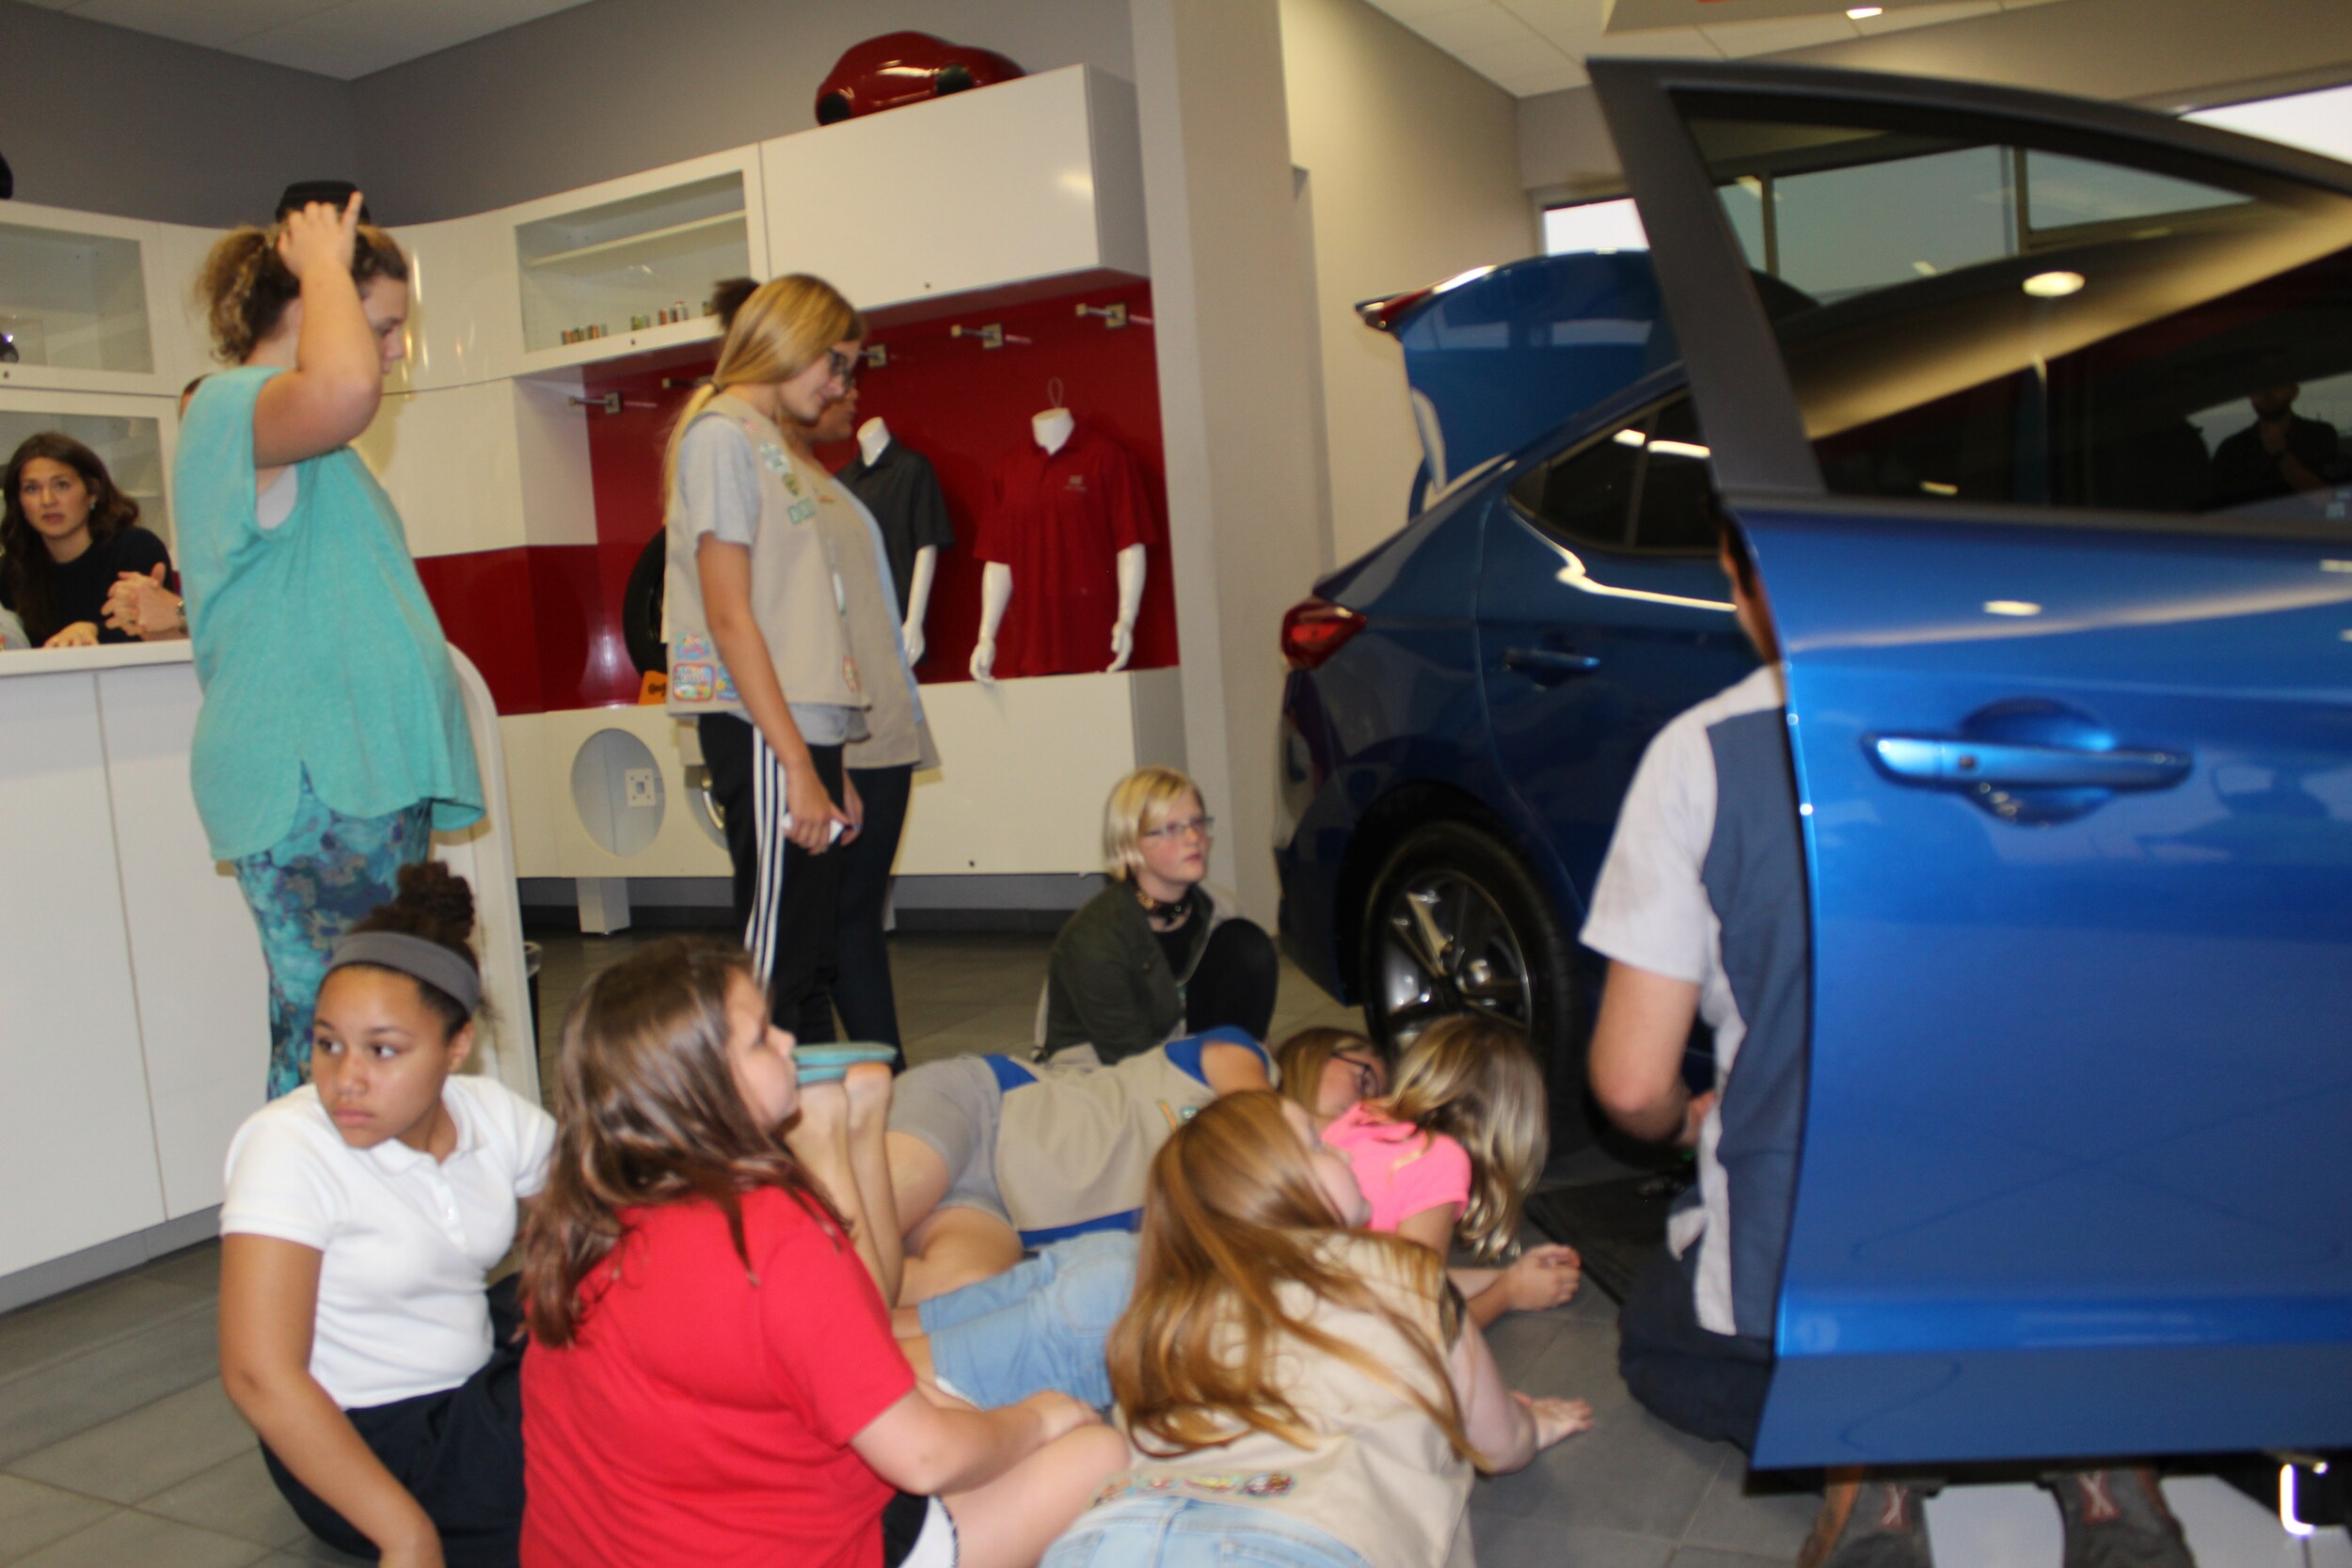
(81, 584)
(902, 492)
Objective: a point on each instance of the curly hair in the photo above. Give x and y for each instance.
(647, 1113)
(26, 566)
(437, 904)
(244, 287)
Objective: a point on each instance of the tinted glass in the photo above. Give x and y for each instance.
(1993, 323)
(1677, 506)
(1584, 495)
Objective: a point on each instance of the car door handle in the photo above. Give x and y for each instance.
(1549, 666)
(1942, 762)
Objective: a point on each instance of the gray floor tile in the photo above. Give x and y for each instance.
(140, 1454)
(1763, 1515)
(197, 1267)
(1707, 1556)
(131, 1540)
(233, 1498)
(54, 1403)
(1504, 1541)
(1631, 1474)
(93, 1316)
(32, 1515)
(313, 1550)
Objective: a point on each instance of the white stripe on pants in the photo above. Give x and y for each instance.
(770, 815)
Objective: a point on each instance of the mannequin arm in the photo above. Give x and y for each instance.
(1132, 568)
(919, 601)
(995, 593)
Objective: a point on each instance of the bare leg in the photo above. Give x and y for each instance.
(820, 1139)
(1010, 1521)
(955, 1247)
(869, 1087)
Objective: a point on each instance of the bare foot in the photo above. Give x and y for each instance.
(1556, 1419)
(867, 1086)
(823, 1126)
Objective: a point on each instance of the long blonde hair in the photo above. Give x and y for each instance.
(1476, 1080)
(785, 325)
(1232, 1211)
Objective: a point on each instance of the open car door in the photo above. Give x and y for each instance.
(2050, 497)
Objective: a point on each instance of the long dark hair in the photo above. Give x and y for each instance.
(30, 574)
(647, 1113)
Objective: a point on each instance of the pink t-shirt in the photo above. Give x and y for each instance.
(1402, 1169)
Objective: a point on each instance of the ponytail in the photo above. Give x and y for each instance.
(244, 286)
(773, 332)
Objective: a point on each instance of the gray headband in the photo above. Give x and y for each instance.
(415, 956)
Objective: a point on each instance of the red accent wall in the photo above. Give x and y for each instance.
(544, 622)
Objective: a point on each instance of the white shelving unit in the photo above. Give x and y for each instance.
(603, 261)
(90, 304)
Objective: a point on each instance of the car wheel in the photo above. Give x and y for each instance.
(1457, 924)
(640, 608)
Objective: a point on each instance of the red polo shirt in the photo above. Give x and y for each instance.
(1059, 521)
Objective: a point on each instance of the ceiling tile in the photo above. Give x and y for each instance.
(1658, 43)
(1412, 11)
(1741, 40)
(1458, 30)
(55, 5)
(1495, 61)
(1894, 20)
(1529, 85)
(1576, 18)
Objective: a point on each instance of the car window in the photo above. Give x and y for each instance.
(1677, 511)
(1993, 323)
(1584, 496)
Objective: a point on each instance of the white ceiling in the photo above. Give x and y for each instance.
(1531, 46)
(344, 39)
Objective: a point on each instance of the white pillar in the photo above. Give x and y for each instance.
(1237, 394)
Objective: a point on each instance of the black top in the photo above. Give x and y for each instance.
(2243, 471)
(902, 492)
(79, 590)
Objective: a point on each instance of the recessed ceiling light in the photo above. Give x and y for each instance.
(1864, 13)
(2054, 285)
(2012, 607)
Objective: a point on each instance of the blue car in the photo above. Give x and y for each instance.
(2034, 413)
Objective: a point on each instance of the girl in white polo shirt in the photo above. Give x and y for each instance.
(364, 1212)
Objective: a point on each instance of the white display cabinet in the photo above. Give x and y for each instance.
(614, 795)
(463, 326)
(79, 300)
(1027, 179)
(610, 261)
(490, 465)
(132, 435)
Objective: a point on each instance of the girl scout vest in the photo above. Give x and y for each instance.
(798, 598)
(1074, 1144)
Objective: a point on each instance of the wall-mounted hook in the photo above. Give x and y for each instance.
(991, 336)
(876, 356)
(612, 403)
(1115, 316)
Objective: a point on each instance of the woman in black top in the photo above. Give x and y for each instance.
(68, 535)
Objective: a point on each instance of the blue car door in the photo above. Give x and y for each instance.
(2049, 494)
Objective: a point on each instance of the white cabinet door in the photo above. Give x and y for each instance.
(203, 991)
(77, 1147)
(1035, 178)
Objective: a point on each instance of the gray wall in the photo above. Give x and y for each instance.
(2168, 54)
(103, 119)
(620, 86)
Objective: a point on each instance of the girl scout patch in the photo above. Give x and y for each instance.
(689, 683)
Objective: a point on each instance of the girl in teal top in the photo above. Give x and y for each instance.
(332, 741)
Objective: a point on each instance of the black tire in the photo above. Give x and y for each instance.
(1456, 922)
(641, 607)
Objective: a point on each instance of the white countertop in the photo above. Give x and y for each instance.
(66, 661)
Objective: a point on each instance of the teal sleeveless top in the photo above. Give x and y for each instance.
(315, 644)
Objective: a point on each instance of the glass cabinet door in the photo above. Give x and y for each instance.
(74, 301)
(130, 445)
(632, 265)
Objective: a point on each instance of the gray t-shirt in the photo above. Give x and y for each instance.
(719, 477)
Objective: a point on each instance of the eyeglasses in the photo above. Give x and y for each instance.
(1368, 1074)
(845, 366)
(1170, 832)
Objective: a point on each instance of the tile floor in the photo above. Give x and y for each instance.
(117, 1448)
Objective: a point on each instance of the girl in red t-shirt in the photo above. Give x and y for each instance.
(1450, 1153)
(712, 1379)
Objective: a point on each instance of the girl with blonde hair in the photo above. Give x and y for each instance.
(1156, 956)
(1291, 1384)
(1450, 1153)
(762, 654)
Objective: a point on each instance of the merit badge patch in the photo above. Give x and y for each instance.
(691, 683)
(725, 687)
(691, 647)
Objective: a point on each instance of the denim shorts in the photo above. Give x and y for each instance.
(1185, 1532)
(1040, 1326)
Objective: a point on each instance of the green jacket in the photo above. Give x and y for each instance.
(1109, 986)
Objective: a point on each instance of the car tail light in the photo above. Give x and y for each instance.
(1314, 629)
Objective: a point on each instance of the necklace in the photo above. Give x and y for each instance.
(1156, 907)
